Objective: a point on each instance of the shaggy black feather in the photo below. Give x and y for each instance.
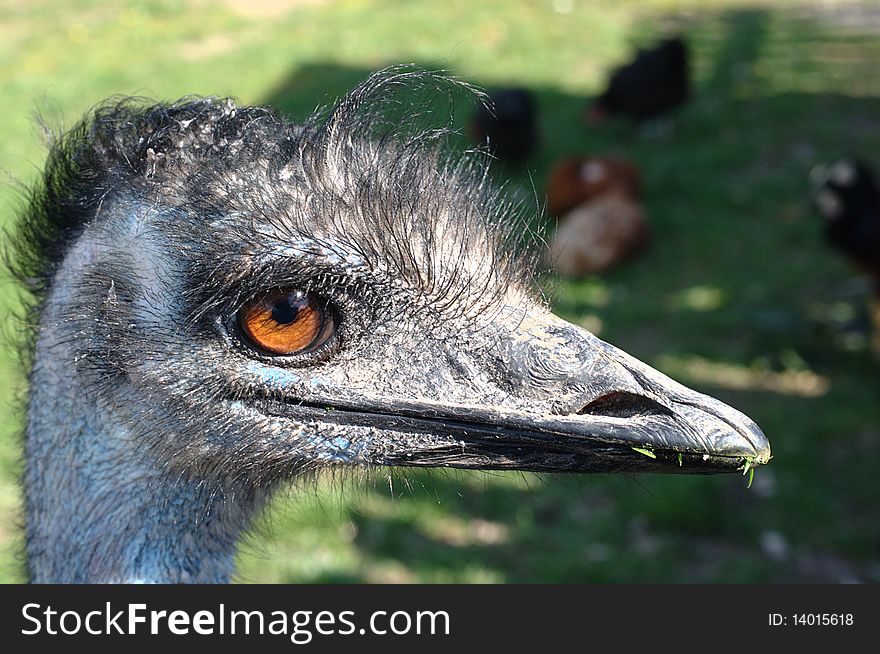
(212, 158)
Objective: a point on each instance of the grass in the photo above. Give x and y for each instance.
(738, 297)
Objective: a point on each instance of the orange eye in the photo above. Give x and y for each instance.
(285, 322)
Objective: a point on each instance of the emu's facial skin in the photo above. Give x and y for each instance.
(502, 383)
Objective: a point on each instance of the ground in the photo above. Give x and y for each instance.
(738, 296)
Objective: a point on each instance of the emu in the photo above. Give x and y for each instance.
(228, 301)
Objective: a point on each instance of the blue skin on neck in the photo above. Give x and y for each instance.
(101, 506)
(99, 513)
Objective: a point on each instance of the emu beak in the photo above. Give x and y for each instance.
(638, 418)
(571, 403)
(613, 413)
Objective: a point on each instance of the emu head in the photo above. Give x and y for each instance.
(253, 298)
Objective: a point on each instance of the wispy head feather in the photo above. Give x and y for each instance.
(365, 175)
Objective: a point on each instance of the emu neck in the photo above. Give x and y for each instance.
(100, 507)
(98, 512)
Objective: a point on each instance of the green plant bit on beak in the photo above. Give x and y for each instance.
(748, 468)
(647, 453)
(679, 459)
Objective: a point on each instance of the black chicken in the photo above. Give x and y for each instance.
(507, 125)
(848, 197)
(656, 81)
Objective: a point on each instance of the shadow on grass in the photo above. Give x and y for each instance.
(726, 189)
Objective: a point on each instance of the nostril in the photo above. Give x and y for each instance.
(623, 404)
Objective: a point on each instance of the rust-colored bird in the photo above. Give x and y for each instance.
(598, 235)
(601, 219)
(576, 180)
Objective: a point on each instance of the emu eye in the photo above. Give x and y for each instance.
(286, 322)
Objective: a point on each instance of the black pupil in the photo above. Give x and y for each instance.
(285, 310)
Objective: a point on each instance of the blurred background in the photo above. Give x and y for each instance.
(737, 291)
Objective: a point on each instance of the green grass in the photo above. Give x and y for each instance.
(738, 296)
